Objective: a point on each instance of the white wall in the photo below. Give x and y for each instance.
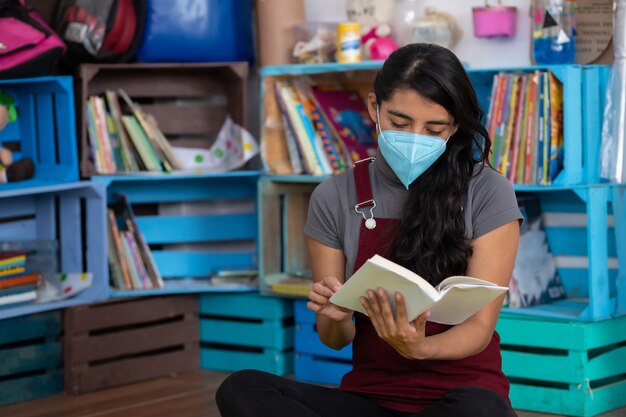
(476, 52)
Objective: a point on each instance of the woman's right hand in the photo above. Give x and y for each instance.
(319, 297)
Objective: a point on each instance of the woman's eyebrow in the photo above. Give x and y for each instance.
(400, 114)
(439, 122)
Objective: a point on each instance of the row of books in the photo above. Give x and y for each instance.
(17, 286)
(525, 123)
(123, 138)
(131, 264)
(326, 129)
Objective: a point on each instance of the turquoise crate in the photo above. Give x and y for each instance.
(30, 357)
(45, 129)
(585, 230)
(246, 331)
(568, 368)
(583, 89)
(314, 361)
(74, 215)
(195, 224)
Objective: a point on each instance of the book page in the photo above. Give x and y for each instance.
(460, 279)
(461, 301)
(379, 272)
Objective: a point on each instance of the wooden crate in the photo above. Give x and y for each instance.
(560, 367)
(73, 215)
(586, 230)
(189, 101)
(195, 225)
(30, 357)
(246, 331)
(283, 207)
(315, 362)
(129, 340)
(44, 130)
(583, 97)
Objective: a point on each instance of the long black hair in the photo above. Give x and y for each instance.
(431, 235)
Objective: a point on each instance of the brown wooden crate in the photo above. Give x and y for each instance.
(185, 99)
(133, 341)
(119, 313)
(128, 340)
(133, 370)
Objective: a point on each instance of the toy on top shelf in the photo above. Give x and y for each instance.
(12, 170)
(37, 136)
(375, 17)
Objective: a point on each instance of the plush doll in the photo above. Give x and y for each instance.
(374, 16)
(10, 170)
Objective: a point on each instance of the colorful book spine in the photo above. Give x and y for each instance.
(541, 130)
(97, 153)
(11, 271)
(530, 130)
(133, 270)
(517, 130)
(329, 147)
(502, 121)
(308, 150)
(547, 129)
(556, 146)
(141, 269)
(124, 266)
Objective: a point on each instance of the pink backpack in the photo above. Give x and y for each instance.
(28, 47)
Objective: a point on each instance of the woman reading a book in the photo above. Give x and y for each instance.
(431, 203)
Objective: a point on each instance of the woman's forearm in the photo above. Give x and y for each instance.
(461, 341)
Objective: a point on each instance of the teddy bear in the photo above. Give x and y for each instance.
(10, 169)
(374, 16)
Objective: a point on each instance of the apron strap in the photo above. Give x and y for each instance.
(361, 173)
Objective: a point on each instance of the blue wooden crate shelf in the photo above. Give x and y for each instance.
(195, 224)
(55, 213)
(45, 129)
(585, 230)
(314, 361)
(246, 331)
(30, 357)
(583, 95)
(570, 368)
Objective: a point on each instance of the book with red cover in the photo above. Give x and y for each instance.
(347, 113)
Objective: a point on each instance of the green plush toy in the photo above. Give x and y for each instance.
(10, 170)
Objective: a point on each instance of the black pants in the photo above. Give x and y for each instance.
(259, 394)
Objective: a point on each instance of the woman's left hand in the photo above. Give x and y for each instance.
(407, 338)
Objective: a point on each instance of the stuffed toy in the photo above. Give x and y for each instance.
(374, 16)
(10, 170)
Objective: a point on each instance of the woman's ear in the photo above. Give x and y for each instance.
(455, 128)
(372, 105)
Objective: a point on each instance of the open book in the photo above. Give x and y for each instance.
(453, 301)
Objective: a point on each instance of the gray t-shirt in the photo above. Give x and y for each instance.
(490, 202)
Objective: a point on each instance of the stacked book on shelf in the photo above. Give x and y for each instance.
(326, 128)
(131, 264)
(123, 138)
(17, 286)
(525, 123)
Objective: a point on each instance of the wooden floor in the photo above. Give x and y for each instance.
(186, 395)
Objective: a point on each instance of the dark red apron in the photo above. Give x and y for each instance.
(381, 373)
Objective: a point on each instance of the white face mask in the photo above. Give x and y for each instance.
(409, 154)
